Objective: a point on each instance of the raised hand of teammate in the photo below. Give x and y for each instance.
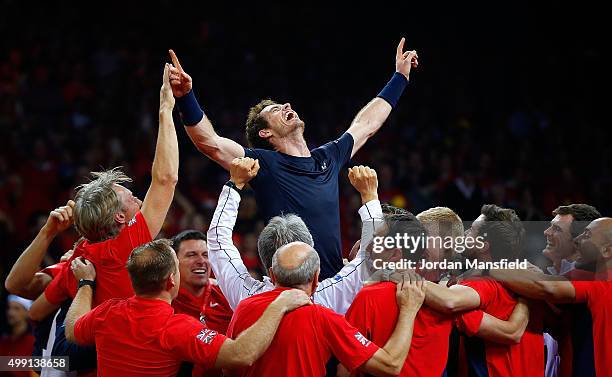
(166, 99)
(60, 218)
(365, 181)
(242, 170)
(405, 61)
(180, 81)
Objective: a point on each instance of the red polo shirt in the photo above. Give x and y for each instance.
(516, 360)
(598, 296)
(109, 257)
(304, 341)
(138, 336)
(211, 307)
(374, 312)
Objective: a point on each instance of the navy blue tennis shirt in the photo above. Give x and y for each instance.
(307, 187)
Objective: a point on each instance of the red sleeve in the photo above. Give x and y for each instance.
(469, 322)
(358, 314)
(582, 289)
(487, 289)
(136, 233)
(57, 292)
(346, 342)
(186, 338)
(53, 270)
(85, 327)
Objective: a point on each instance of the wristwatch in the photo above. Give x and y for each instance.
(84, 282)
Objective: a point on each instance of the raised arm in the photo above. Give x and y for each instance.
(372, 116)
(81, 305)
(390, 358)
(254, 341)
(199, 128)
(338, 292)
(232, 275)
(23, 279)
(164, 173)
(536, 285)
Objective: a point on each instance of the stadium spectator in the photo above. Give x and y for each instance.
(142, 335)
(19, 341)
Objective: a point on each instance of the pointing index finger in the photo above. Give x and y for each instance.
(400, 48)
(175, 60)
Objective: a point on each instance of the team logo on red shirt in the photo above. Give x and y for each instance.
(362, 339)
(206, 336)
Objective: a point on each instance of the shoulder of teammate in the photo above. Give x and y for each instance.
(135, 233)
(367, 298)
(488, 289)
(187, 338)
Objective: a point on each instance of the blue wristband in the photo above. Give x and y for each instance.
(189, 109)
(394, 89)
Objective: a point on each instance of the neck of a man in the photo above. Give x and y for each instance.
(194, 290)
(604, 265)
(163, 296)
(556, 262)
(304, 287)
(19, 329)
(293, 145)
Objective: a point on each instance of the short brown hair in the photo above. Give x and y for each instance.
(582, 215)
(255, 123)
(150, 265)
(503, 230)
(96, 204)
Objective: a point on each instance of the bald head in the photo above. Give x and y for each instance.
(602, 230)
(295, 264)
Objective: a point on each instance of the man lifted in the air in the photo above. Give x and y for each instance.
(294, 179)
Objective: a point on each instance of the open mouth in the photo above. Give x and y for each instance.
(200, 271)
(290, 115)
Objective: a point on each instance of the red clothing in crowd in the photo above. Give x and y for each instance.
(139, 336)
(304, 341)
(374, 313)
(17, 346)
(109, 257)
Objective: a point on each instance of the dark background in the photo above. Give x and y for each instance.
(507, 98)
